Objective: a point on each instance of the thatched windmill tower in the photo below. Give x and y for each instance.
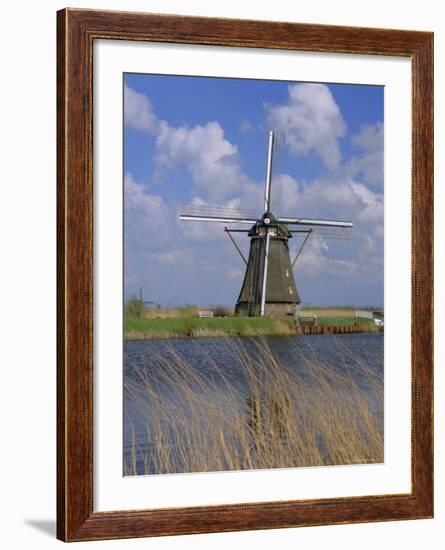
(269, 285)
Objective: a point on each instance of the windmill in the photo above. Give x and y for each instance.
(269, 285)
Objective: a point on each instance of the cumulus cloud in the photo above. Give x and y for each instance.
(371, 208)
(315, 260)
(205, 153)
(325, 196)
(148, 219)
(138, 111)
(369, 164)
(370, 137)
(210, 231)
(311, 120)
(340, 199)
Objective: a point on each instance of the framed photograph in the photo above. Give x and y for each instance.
(245, 231)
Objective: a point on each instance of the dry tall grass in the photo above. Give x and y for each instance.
(172, 313)
(277, 418)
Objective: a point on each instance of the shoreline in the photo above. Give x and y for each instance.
(230, 327)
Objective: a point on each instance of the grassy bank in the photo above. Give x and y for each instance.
(215, 326)
(191, 327)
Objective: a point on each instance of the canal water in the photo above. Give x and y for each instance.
(219, 361)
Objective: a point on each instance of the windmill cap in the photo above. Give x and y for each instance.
(268, 218)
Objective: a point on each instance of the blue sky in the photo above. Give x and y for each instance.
(204, 140)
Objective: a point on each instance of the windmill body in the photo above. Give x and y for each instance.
(281, 296)
(269, 285)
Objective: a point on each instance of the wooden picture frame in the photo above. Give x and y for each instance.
(77, 31)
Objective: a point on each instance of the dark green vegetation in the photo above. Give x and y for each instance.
(134, 308)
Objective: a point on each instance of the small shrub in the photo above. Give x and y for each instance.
(221, 311)
(134, 307)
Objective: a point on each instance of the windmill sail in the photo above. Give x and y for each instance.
(276, 171)
(330, 229)
(269, 285)
(272, 188)
(214, 213)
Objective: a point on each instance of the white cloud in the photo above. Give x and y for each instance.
(319, 198)
(311, 120)
(348, 200)
(137, 199)
(207, 155)
(148, 219)
(209, 231)
(315, 260)
(138, 111)
(369, 163)
(370, 137)
(371, 210)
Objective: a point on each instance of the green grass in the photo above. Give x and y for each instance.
(136, 328)
(192, 327)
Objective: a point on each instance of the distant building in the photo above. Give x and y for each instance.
(205, 313)
(377, 316)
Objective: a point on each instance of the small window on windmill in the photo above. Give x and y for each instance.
(290, 290)
(287, 273)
